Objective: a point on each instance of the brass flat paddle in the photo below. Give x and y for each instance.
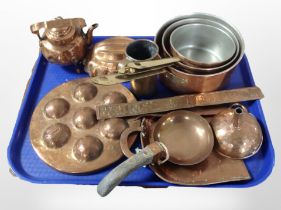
(178, 102)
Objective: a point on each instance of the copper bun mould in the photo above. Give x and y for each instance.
(67, 136)
(197, 138)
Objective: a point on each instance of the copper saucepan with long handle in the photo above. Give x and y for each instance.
(181, 137)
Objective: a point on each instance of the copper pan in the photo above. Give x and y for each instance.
(194, 144)
(202, 44)
(191, 68)
(182, 82)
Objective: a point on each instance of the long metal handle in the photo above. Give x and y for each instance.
(119, 78)
(178, 102)
(114, 178)
(136, 70)
(160, 63)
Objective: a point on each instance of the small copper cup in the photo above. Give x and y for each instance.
(143, 50)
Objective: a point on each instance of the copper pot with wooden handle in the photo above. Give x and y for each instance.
(181, 137)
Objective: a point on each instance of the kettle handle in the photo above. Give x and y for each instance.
(57, 23)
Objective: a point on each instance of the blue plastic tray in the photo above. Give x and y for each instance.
(27, 165)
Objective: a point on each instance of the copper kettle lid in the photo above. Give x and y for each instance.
(60, 34)
(238, 133)
(59, 30)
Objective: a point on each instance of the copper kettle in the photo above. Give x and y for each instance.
(63, 40)
(238, 133)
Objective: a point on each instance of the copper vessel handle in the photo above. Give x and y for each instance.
(124, 140)
(35, 28)
(142, 158)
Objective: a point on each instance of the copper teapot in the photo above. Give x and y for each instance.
(63, 40)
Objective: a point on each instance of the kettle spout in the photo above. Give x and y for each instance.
(90, 33)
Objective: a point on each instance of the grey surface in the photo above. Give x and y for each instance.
(203, 44)
(258, 21)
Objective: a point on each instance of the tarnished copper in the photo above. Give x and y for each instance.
(84, 92)
(87, 148)
(185, 136)
(181, 137)
(105, 56)
(215, 169)
(113, 128)
(56, 135)
(114, 98)
(56, 108)
(63, 40)
(238, 133)
(65, 133)
(178, 102)
(84, 118)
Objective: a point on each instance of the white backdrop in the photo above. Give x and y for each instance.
(260, 25)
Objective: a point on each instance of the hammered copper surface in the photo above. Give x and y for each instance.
(63, 40)
(88, 148)
(84, 118)
(105, 56)
(56, 108)
(238, 133)
(56, 135)
(84, 92)
(114, 98)
(69, 137)
(215, 169)
(113, 128)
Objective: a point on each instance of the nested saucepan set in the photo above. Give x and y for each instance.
(200, 76)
